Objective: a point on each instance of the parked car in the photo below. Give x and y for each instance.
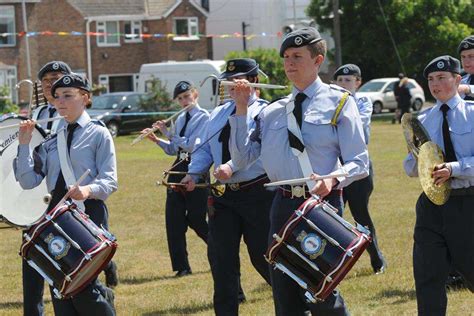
(120, 111)
(380, 92)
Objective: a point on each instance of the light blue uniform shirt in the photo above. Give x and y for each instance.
(324, 142)
(211, 152)
(196, 124)
(42, 113)
(365, 107)
(461, 122)
(466, 80)
(92, 148)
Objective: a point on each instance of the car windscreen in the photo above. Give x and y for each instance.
(372, 86)
(106, 102)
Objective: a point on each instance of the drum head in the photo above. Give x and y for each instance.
(18, 207)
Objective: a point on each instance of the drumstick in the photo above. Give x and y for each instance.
(37, 122)
(303, 180)
(78, 182)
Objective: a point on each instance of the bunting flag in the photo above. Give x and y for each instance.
(143, 35)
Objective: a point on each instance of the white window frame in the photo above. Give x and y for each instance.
(136, 28)
(193, 21)
(9, 8)
(104, 80)
(101, 27)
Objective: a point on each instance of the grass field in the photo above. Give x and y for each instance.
(147, 284)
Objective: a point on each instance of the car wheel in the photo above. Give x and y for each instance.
(113, 128)
(377, 109)
(417, 105)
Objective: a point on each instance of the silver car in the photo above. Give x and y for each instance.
(380, 92)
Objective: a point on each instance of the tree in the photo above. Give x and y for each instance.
(271, 63)
(422, 30)
(6, 104)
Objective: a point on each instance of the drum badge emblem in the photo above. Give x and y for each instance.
(311, 244)
(57, 246)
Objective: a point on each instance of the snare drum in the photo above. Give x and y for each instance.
(18, 207)
(317, 248)
(67, 249)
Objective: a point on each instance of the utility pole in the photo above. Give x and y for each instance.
(244, 39)
(337, 33)
(294, 14)
(27, 44)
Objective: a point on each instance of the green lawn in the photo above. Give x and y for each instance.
(147, 285)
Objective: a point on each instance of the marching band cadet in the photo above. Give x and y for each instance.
(315, 107)
(466, 51)
(183, 209)
(243, 209)
(47, 75)
(443, 233)
(90, 146)
(357, 194)
(33, 283)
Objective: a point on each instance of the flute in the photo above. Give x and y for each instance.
(37, 122)
(154, 129)
(254, 85)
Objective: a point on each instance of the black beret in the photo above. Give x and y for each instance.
(54, 66)
(467, 43)
(299, 38)
(346, 70)
(181, 87)
(240, 67)
(71, 80)
(442, 63)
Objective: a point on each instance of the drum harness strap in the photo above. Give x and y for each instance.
(66, 166)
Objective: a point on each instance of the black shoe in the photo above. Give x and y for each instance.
(111, 276)
(109, 297)
(183, 273)
(379, 265)
(242, 297)
(455, 282)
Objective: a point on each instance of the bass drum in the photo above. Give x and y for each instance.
(18, 207)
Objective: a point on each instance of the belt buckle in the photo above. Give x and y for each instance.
(297, 191)
(183, 155)
(234, 186)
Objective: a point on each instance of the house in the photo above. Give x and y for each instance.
(268, 20)
(106, 39)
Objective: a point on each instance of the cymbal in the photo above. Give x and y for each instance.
(414, 132)
(429, 156)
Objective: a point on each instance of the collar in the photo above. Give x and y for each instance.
(310, 90)
(452, 103)
(196, 108)
(83, 120)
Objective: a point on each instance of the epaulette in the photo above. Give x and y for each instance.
(263, 101)
(339, 88)
(98, 122)
(49, 137)
(277, 99)
(469, 102)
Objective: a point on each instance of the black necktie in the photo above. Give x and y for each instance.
(60, 187)
(224, 139)
(298, 113)
(51, 110)
(448, 145)
(183, 129)
(298, 110)
(471, 80)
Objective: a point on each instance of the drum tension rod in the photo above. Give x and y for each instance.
(62, 232)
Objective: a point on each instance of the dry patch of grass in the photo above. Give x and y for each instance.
(147, 285)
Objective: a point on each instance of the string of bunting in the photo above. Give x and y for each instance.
(143, 35)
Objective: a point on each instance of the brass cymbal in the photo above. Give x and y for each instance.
(429, 156)
(414, 132)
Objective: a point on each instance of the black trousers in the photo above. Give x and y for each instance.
(184, 210)
(237, 214)
(444, 236)
(357, 195)
(288, 296)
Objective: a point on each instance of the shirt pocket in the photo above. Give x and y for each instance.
(463, 139)
(317, 119)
